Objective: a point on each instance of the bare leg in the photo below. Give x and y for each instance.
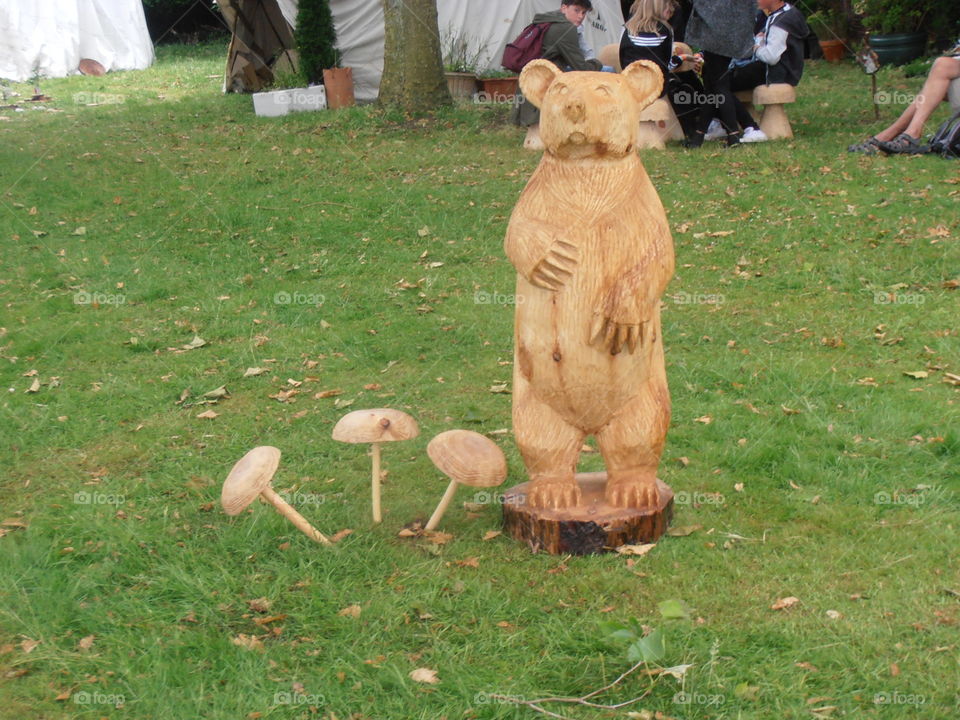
(912, 120)
(944, 70)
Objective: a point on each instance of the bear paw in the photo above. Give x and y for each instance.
(553, 494)
(635, 493)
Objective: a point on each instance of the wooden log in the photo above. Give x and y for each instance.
(589, 528)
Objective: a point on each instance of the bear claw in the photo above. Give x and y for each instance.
(553, 495)
(633, 494)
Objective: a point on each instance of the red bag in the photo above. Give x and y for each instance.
(528, 46)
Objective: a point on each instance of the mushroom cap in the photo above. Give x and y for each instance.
(659, 111)
(252, 473)
(468, 457)
(776, 94)
(377, 425)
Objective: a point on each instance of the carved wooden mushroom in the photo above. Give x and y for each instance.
(466, 458)
(251, 477)
(375, 427)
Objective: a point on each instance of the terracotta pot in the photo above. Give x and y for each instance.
(499, 89)
(461, 85)
(338, 83)
(833, 50)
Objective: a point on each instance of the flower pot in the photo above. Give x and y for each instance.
(461, 85)
(339, 86)
(898, 48)
(833, 50)
(499, 90)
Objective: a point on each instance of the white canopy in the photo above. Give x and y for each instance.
(51, 37)
(488, 25)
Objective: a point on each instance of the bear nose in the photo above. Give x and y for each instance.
(575, 111)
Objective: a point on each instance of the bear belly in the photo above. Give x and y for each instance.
(583, 383)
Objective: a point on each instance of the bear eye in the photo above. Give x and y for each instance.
(603, 89)
(561, 88)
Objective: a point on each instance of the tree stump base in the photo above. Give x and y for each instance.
(591, 527)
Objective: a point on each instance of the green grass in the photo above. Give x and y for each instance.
(196, 216)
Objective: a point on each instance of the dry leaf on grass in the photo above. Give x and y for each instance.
(260, 605)
(248, 642)
(208, 415)
(351, 611)
(784, 603)
(28, 645)
(635, 549)
(491, 534)
(86, 643)
(424, 675)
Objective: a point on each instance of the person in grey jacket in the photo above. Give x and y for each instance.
(561, 45)
(722, 29)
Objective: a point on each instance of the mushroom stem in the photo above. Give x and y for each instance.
(442, 507)
(285, 509)
(375, 483)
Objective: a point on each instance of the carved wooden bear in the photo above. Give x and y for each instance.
(593, 253)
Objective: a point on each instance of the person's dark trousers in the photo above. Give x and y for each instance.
(747, 77)
(716, 82)
(685, 93)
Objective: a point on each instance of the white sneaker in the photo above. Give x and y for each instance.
(715, 131)
(752, 134)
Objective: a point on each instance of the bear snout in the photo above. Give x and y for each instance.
(575, 111)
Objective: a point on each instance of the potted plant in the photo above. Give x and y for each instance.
(896, 28)
(499, 85)
(831, 28)
(319, 57)
(461, 57)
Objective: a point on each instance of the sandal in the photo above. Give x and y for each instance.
(902, 144)
(870, 146)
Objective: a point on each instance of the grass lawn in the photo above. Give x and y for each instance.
(355, 260)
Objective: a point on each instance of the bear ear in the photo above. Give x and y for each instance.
(645, 80)
(536, 78)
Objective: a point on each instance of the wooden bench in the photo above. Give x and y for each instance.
(773, 121)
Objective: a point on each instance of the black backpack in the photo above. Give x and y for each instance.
(946, 140)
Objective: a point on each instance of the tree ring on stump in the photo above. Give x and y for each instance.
(592, 527)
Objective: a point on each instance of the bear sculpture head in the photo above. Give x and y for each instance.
(590, 114)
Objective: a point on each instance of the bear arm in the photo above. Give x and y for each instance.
(540, 254)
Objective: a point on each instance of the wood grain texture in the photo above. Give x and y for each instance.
(592, 527)
(590, 242)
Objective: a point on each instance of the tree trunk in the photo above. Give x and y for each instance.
(412, 68)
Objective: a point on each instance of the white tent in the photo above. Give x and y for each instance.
(488, 24)
(50, 38)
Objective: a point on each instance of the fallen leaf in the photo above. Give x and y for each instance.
(705, 419)
(254, 371)
(473, 562)
(916, 374)
(34, 386)
(86, 643)
(424, 675)
(501, 388)
(635, 549)
(260, 604)
(248, 642)
(216, 394)
(951, 379)
(683, 530)
(208, 415)
(784, 603)
(340, 535)
(327, 393)
(197, 342)
(351, 611)
(64, 695)
(834, 615)
(491, 534)
(806, 666)
(789, 411)
(28, 645)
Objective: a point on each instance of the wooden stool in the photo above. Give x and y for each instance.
(774, 121)
(746, 97)
(658, 123)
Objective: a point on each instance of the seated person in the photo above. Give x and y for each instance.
(561, 45)
(777, 57)
(903, 137)
(647, 35)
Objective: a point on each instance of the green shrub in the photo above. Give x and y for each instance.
(316, 39)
